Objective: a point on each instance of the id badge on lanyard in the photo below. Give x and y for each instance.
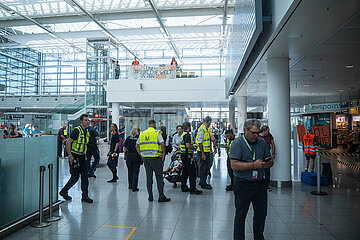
(254, 172)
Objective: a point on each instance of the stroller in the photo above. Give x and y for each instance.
(174, 171)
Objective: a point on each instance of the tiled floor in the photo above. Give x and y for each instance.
(118, 213)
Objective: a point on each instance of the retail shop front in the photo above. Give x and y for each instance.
(343, 120)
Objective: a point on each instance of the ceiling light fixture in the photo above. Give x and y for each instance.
(349, 66)
(306, 85)
(341, 90)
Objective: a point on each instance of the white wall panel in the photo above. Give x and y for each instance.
(167, 90)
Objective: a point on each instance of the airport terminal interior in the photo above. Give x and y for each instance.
(221, 104)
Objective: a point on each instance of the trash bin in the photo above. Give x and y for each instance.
(327, 172)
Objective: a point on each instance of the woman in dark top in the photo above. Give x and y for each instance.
(13, 133)
(168, 147)
(269, 139)
(113, 154)
(133, 159)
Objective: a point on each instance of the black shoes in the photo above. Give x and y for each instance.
(207, 186)
(196, 192)
(87, 199)
(164, 199)
(135, 190)
(65, 195)
(151, 198)
(117, 178)
(112, 180)
(229, 188)
(185, 189)
(91, 175)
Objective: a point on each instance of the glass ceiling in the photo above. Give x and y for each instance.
(61, 7)
(199, 28)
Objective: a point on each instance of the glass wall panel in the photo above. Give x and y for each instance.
(20, 71)
(11, 179)
(39, 151)
(20, 161)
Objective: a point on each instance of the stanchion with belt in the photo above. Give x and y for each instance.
(51, 218)
(40, 223)
(318, 181)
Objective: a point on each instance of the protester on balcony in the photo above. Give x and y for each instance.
(173, 62)
(135, 62)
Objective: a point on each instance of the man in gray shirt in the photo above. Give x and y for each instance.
(249, 157)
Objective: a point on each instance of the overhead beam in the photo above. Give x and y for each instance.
(103, 28)
(116, 15)
(24, 39)
(225, 16)
(34, 22)
(164, 28)
(224, 33)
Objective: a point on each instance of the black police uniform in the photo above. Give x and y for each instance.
(77, 169)
(92, 150)
(188, 164)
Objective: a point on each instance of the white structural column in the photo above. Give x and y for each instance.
(279, 118)
(232, 114)
(115, 109)
(242, 112)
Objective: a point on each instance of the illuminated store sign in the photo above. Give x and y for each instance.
(327, 107)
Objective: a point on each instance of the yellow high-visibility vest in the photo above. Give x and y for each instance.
(228, 143)
(79, 146)
(149, 146)
(65, 131)
(206, 143)
(183, 145)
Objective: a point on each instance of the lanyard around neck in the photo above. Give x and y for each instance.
(251, 151)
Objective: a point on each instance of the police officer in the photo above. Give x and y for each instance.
(203, 151)
(76, 147)
(151, 147)
(93, 149)
(187, 149)
(230, 137)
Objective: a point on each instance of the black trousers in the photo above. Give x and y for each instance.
(113, 171)
(154, 165)
(230, 170)
(93, 151)
(204, 167)
(59, 148)
(133, 161)
(112, 164)
(188, 171)
(75, 172)
(247, 192)
(267, 177)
